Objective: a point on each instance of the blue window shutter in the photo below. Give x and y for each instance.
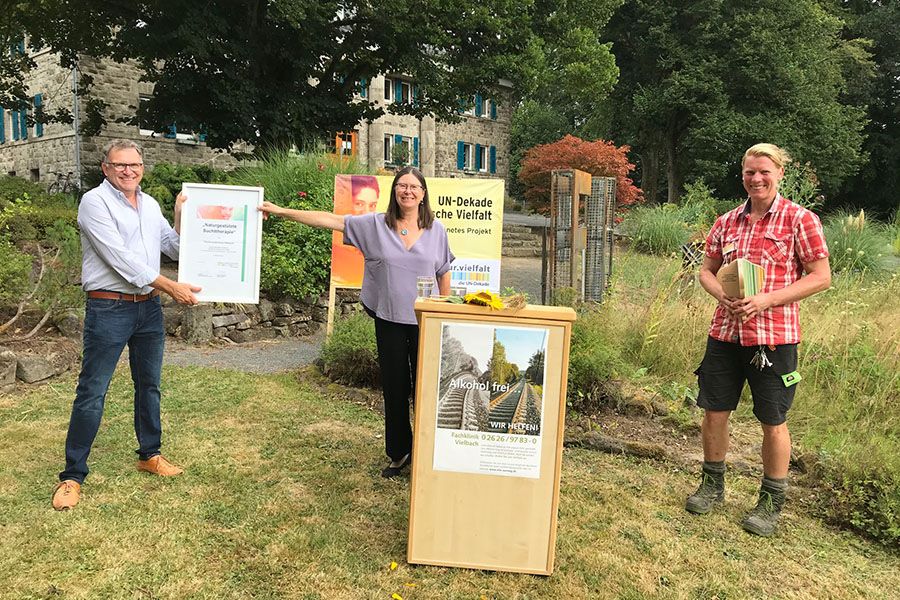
(398, 91)
(478, 165)
(2, 126)
(171, 131)
(21, 46)
(415, 151)
(38, 126)
(493, 159)
(415, 92)
(23, 126)
(363, 87)
(398, 139)
(14, 117)
(493, 110)
(460, 155)
(479, 105)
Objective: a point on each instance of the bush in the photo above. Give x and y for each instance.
(864, 498)
(800, 185)
(15, 272)
(28, 218)
(164, 180)
(350, 355)
(296, 259)
(600, 158)
(16, 188)
(855, 244)
(594, 360)
(657, 230)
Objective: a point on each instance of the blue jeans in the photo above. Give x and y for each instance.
(108, 326)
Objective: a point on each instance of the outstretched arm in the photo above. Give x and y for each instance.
(313, 218)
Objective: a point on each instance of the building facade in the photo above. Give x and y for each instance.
(477, 146)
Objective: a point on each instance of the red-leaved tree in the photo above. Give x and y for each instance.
(597, 158)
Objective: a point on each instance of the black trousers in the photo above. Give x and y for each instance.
(398, 350)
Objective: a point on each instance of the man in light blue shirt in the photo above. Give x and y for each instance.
(123, 232)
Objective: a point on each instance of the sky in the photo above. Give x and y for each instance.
(478, 341)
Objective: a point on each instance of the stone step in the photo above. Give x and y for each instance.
(520, 252)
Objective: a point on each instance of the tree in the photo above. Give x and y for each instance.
(702, 80)
(574, 73)
(500, 369)
(535, 371)
(877, 185)
(597, 158)
(281, 73)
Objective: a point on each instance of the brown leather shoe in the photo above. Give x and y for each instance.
(66, 494)
(158, 465)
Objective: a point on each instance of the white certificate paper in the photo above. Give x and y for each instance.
(221, 239)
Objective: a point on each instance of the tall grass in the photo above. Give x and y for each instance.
(855, 243)
(659, 230)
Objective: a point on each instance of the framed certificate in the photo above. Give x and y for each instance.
(221, 239)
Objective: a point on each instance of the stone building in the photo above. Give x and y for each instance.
(478, 146)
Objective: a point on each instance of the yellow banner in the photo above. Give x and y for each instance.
(471, 210)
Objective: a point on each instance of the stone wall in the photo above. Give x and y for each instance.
(241, 323)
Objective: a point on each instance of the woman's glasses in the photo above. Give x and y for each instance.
(413, 187)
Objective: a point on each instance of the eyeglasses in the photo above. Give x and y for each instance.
(120, 167)
(413, 187)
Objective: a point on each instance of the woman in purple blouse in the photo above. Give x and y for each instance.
(399, 246)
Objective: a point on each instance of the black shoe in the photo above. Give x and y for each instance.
(710, 493)
(390, 471)
(762, 520)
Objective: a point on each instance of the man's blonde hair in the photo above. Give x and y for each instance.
(770, 151)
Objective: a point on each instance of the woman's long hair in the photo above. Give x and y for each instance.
(426, 216)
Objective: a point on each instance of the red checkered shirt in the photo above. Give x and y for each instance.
(787, 237)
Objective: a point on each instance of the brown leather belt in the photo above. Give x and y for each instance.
(120, 296)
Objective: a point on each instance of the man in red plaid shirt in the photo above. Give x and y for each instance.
(754, 339)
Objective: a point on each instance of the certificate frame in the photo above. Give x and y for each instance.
(221, 242)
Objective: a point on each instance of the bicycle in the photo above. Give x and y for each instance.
(63, 184)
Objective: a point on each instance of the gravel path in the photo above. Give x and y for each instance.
(273, 356)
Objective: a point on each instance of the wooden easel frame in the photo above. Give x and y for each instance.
(477, 520)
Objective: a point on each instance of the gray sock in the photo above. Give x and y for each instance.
(714, 467)
(779, 485)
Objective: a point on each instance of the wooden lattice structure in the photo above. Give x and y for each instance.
(580, 241)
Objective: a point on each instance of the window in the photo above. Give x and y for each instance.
(481, 158)
(171, 131)
(397, 90)
(400, 149)
(475, 157)
(405, 92)
(344, 144)
(388, 147)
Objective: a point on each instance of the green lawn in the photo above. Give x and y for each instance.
(282, 499)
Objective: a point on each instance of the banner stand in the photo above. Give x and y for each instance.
(488, 436)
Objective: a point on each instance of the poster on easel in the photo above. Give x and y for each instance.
(490, 399)
(488, 434)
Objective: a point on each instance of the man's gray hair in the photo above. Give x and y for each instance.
(121, 145)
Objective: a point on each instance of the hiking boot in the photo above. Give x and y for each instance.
(763, 518)
(66, 494)
(710, 493)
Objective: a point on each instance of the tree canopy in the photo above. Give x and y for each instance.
(702, 80)
(280, 72)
